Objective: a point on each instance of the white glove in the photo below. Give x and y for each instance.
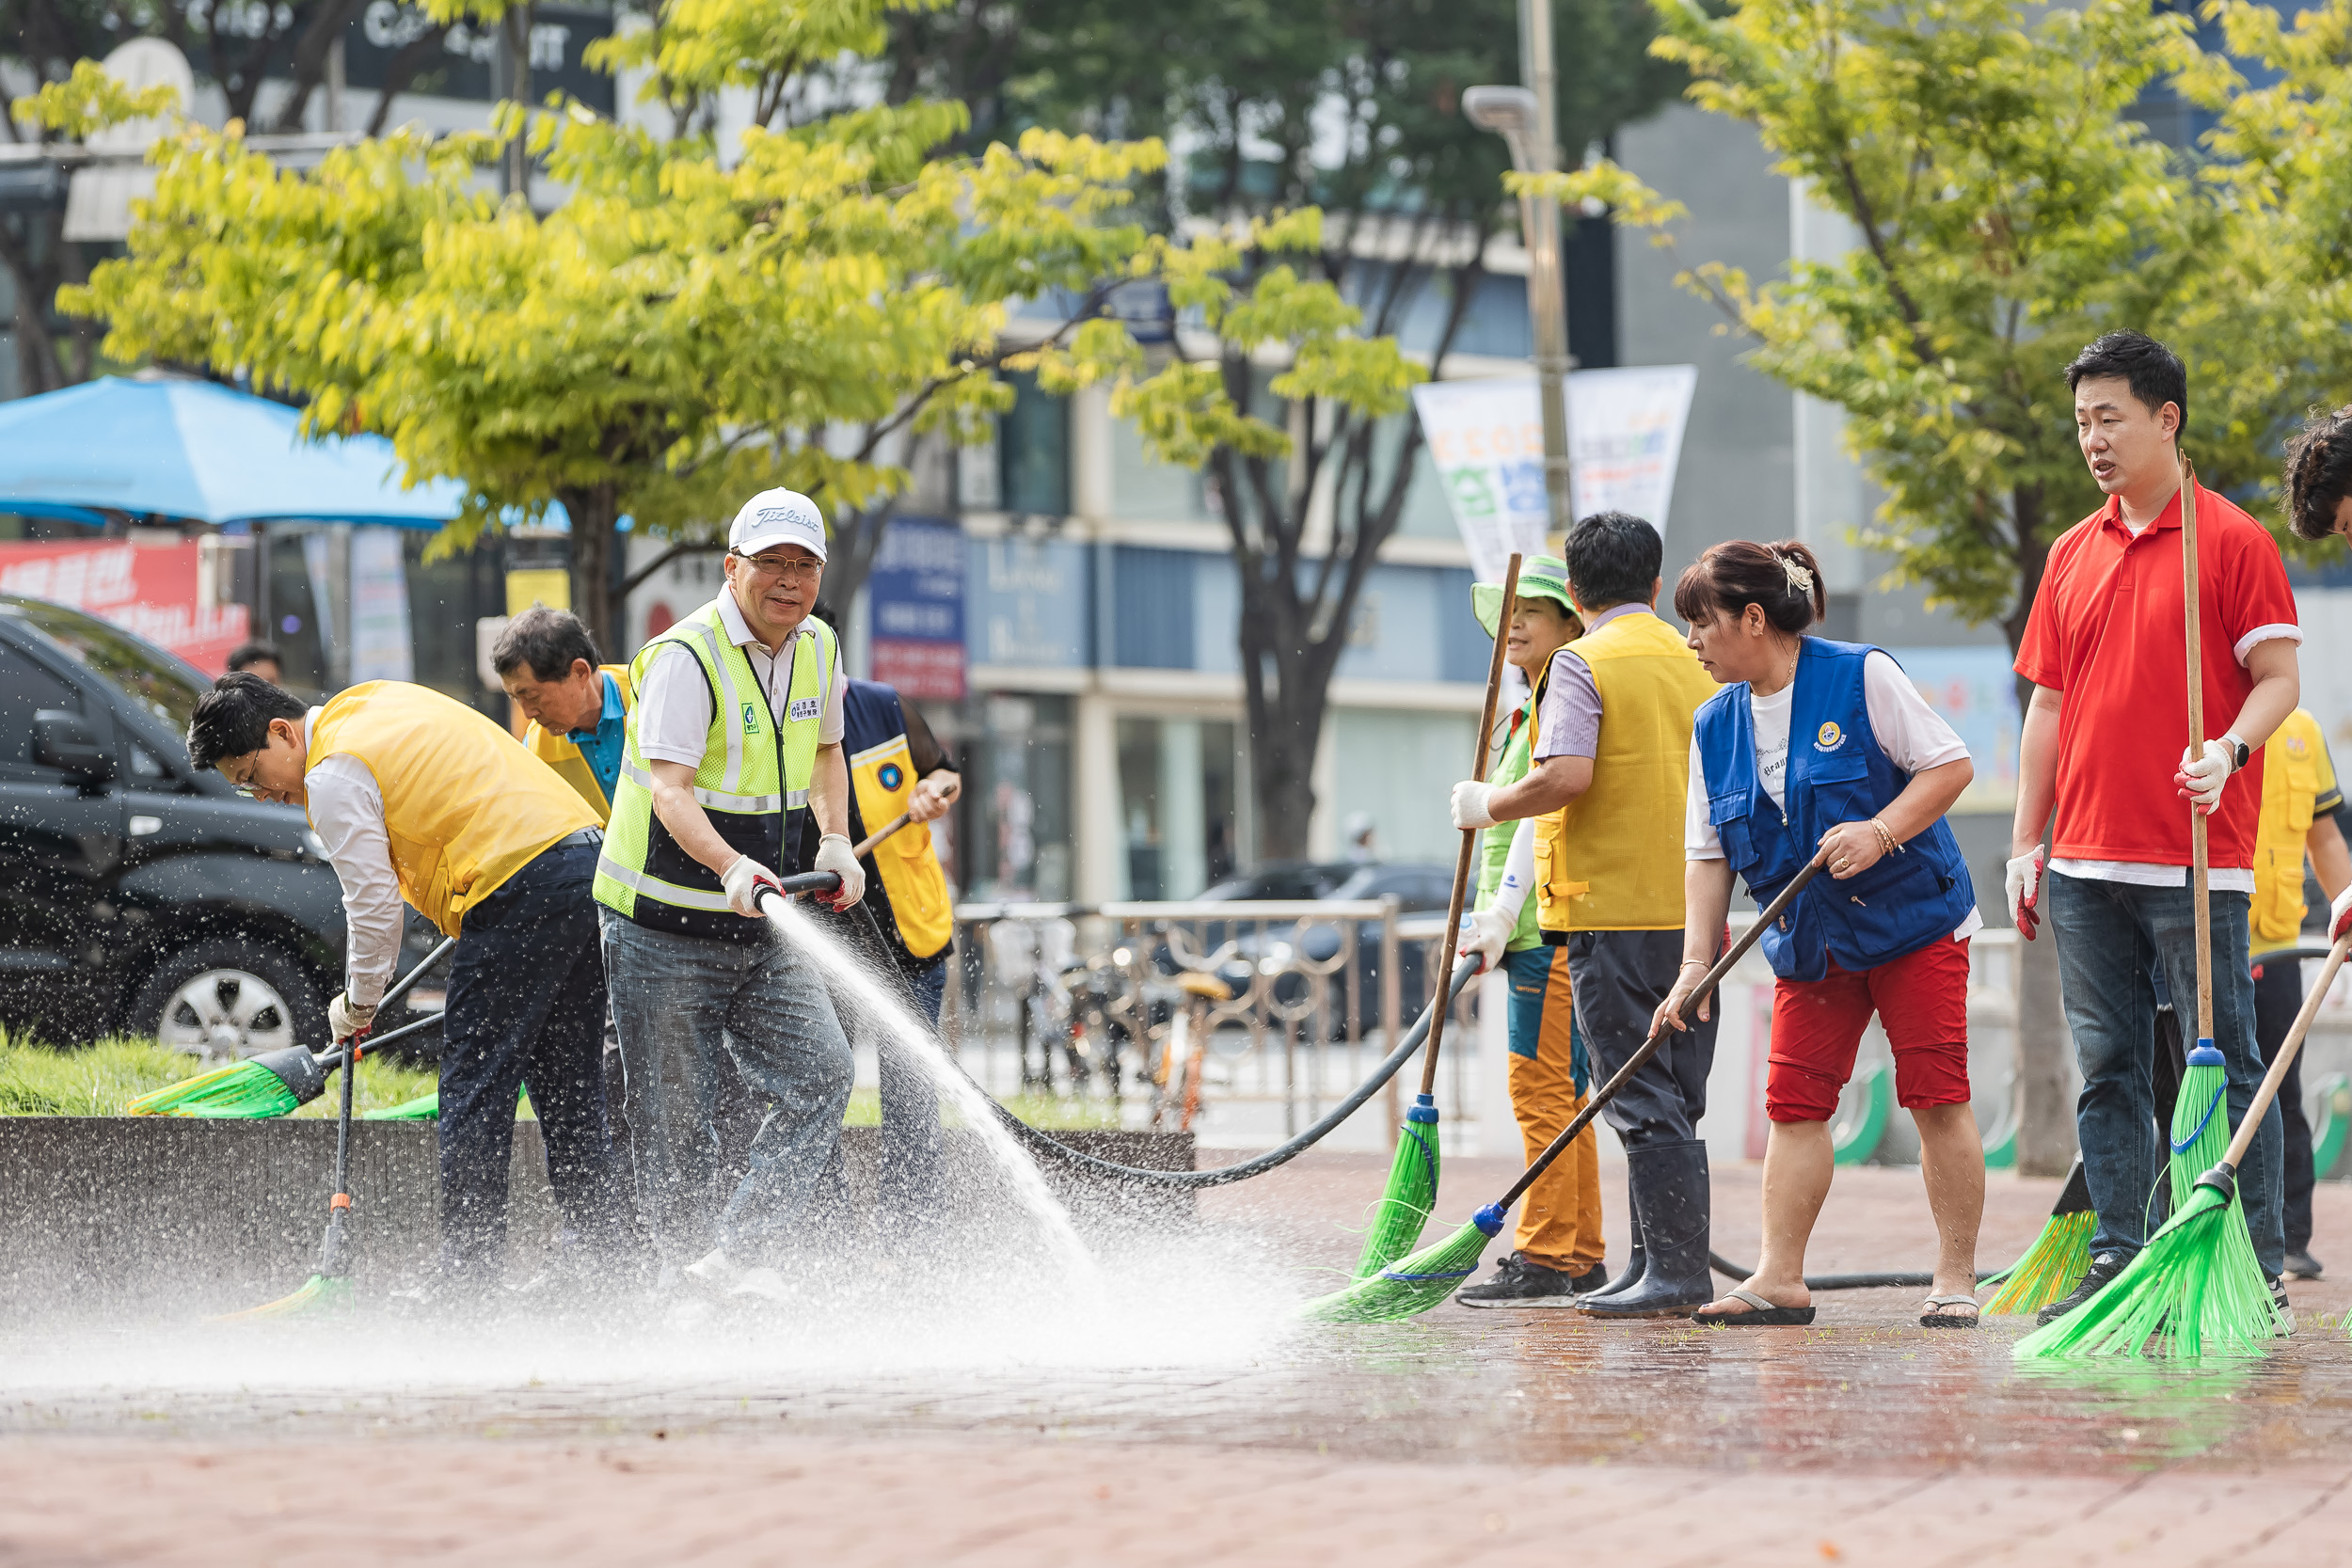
(346, 1018)
(2200, 778)
(837, 854)
(743, 880)
(1487, 935)
(1470, 804)
(2025, 892)
(2340, 915)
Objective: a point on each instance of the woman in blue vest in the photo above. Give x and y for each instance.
(1821, 747)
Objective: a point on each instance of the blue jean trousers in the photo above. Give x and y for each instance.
(678, 1002)
(2108, 933)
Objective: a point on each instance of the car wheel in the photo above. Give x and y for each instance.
(231, 998)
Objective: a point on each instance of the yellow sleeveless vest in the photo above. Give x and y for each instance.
(883, 776)
(2295, 773)
(559, 751)
(465, 806)
(1610, 859)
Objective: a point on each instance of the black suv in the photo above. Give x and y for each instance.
(139, 895)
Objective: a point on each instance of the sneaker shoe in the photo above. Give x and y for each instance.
(2278, 1303)
(2302, 1265)
(2103, 1268)
(767, 1284)
(1519, 1281)
(1593, 1278)
(713, 1274)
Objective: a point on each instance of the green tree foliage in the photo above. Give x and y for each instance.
(2007, 209)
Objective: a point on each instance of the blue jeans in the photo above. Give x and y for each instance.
(2108, 933)
(679, 1001)
(526, 1010)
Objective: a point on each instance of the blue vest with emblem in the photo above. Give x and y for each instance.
(1837, 772)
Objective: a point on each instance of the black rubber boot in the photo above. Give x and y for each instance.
(1671, 1188)
(1637, 1263)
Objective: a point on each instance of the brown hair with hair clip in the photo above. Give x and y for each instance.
(1781, 579)
(2319, 472)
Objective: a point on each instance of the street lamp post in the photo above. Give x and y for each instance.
(1523, 118)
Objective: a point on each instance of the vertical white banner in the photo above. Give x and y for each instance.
(381, 646)
(1486, 438)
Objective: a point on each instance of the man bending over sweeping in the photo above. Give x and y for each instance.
(419, 797)
(735, 737)
(1820, 745)
(2106, 750)
(1613, 747)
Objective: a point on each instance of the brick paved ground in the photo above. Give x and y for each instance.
(1458, 1437)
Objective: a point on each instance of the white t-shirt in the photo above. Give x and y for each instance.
(673, 712)
(1913, 735)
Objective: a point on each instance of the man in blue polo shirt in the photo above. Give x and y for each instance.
(578, 710)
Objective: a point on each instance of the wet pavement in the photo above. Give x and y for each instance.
(1194, 1412)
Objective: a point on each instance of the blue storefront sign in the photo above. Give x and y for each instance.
(916, 597)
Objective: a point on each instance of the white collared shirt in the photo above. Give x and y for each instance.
(673, 711)
(346, 807)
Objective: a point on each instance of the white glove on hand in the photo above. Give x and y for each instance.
(1470, 804)
(2200, 778)
(837, 853)
(2340, 915)
(744, 881)
(2025, 892)
(1487, 935)
(346, 1018)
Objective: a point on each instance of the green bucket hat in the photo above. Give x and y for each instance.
(1541, 576)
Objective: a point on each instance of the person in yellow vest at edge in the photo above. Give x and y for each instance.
(736, 737)
(2300, 797)
(1613, 757)
(1557, 1254)
(417, 796)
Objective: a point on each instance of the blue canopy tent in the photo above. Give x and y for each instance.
(173, 447)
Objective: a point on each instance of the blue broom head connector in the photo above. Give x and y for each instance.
(1488, 1220)
(2203, 1054)
(1425, 1110)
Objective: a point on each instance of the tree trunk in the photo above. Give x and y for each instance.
(2045, 1111)
(596, 546)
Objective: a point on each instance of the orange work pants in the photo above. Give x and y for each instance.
(1560, 1218)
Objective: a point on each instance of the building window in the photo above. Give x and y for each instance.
(1033, 449)
(1014, 834)
(1178, 783)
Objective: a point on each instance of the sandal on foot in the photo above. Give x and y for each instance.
(1936, 1317)
(1760, 1313)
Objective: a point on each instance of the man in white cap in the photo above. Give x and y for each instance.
(736, 737)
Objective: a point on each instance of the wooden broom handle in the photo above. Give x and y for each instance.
(2200, 874)
(2287, 1052)
(1470, 836)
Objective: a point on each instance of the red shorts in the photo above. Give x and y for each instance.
(1922, 1000)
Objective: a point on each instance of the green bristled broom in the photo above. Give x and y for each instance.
(276, 1082)
(1411, 1194)
(2193, 1284)
(2057, 1259)
(1413, 1285)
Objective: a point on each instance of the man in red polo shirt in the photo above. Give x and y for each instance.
(2107, 743)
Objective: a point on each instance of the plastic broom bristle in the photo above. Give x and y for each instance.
(1410, 1286)
(319, 1293)
(241, 1089)
(2195, 1290)
(426, 1107)
(2199, 1135)
(2055, 1263)
(1406, 1202)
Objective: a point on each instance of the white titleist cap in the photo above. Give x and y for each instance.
(778, 518)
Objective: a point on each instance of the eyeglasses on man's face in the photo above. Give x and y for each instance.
(769, 568)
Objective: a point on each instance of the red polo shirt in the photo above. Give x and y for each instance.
(2106, 631)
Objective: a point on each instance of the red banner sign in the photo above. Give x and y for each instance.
(152, 591)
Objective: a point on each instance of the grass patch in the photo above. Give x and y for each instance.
(100, 1080)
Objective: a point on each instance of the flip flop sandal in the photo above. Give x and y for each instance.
(1761, 1313)
(1936, 1317)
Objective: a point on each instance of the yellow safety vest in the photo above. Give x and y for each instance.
(2296, 775)
(561, 753)
(882, 777)
(1612, 859)
(465, 806)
